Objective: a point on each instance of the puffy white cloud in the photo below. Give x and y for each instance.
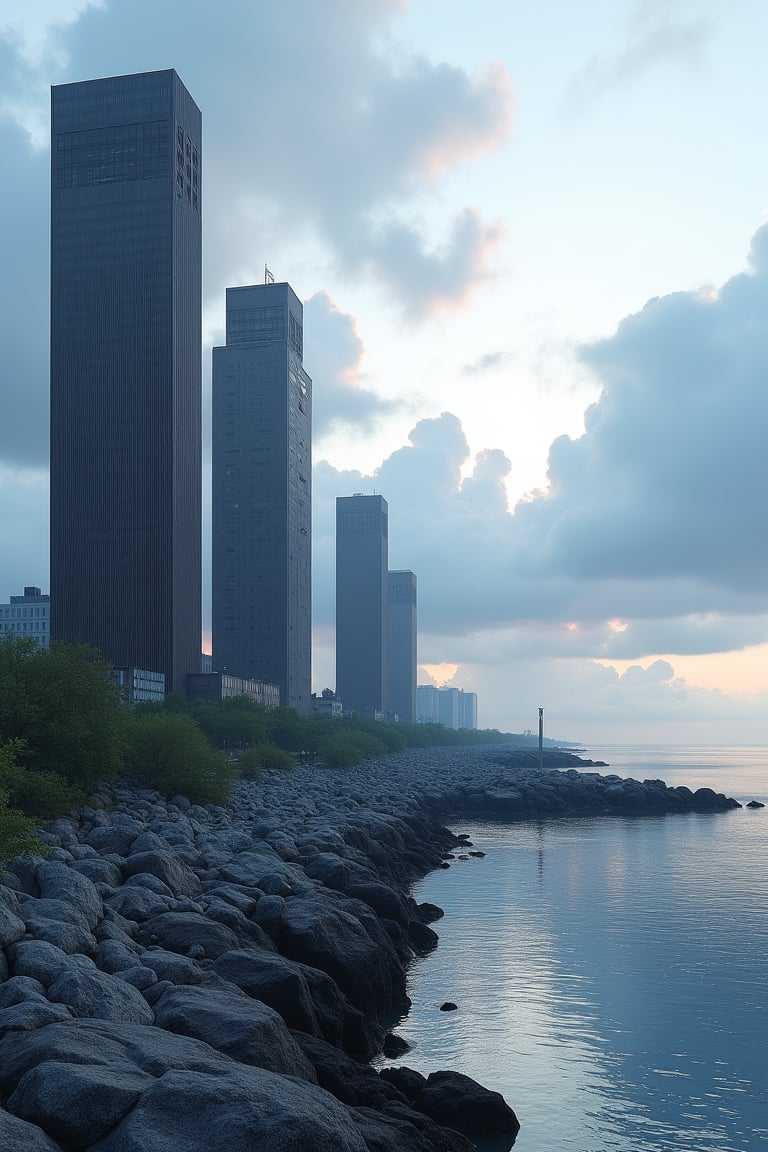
(649, 538)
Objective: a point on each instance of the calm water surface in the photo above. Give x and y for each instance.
(611, 973)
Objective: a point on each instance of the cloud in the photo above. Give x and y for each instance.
(649, 537)
(333, 353)
(321, 132)
(484, 363)
(660, 34)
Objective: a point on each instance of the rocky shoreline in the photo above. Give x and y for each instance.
(214, 978)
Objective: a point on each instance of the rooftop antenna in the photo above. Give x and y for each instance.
(268, 277)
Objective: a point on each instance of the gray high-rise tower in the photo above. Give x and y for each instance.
(361, 602)
(126, 371)
(401, 645)
(262, 494)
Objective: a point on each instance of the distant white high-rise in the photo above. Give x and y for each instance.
(451, 707)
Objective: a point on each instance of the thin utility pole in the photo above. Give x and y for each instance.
(541, 738)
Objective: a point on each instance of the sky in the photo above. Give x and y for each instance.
(532, 243)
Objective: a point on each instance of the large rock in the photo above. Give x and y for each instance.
(306, 999)
(171, 966)
(77, 1104)
(31, 1014)
(12, 927)
(361, 959)
(59, 882)
(19, 1136)
(181, 880)
(459, 1102)
(182, 931)
(136, 903)
(38, 959)
(346, 1079)
(247, 1109)
(396, 1128)
(233, 1023)
(95, 995)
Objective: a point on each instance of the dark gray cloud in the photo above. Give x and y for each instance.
(650, 537)
(333, 354)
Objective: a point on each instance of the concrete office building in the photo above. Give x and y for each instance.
(401, 645)
(27, 616)
(126, 371)
(361, 602)
(262, 494)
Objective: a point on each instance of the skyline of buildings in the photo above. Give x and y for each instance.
(126, 436)
(262, 493)
(126, 371)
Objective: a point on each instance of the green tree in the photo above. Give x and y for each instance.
(17, 832)
(168, 751)
(237, 722)
(62, 703)
(252, 760)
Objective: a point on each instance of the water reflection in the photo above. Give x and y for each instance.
(610, 981)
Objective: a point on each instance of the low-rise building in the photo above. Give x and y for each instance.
(214, 686)
(139, 685)
(29, 616)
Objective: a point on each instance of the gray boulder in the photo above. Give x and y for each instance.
(346, 1079)
(182, 931)
(172, 967)
(31, 1014)
(136, 903)
(116, 838)
(60, 882)
(12, 927)
(459, 1102)
(233, 1023)
(77, 1104)
(38, 959)
(397, 1128)
(283, 985)
(361, 959)
(68, 936)
(181, 880)
(20, 988)
(271, 914)
(99, 871)
(93, 994)
(148, 880)
(249, 1108)
(18, 1136)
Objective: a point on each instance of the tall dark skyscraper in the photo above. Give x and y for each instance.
(126, 371)
(361, 602)
(262, 494)
(401, 645)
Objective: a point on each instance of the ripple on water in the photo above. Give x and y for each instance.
(610, 980)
